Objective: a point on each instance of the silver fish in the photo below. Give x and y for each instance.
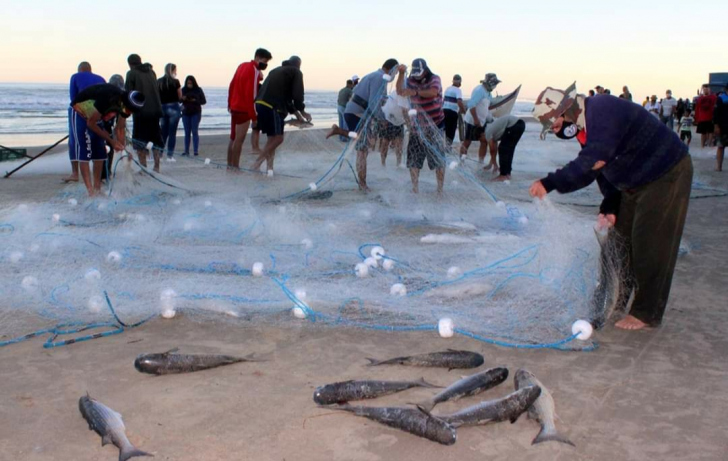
(109, 425)
(409, 420)
(169, 362)
(359, 390)
(543, 409)
(509, 408)
(469, 385)
(447, 359)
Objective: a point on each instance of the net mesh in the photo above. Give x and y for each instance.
(235, 246)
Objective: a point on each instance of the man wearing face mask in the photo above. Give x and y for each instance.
(242, 93)
(424, 89)
(476, 118)
(637, 159)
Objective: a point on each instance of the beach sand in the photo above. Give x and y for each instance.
(656, 394)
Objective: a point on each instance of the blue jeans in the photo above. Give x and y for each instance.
(170, 120)
(342, 121)
(192, 124)
(668, 121)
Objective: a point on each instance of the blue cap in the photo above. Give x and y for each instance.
(419, 67)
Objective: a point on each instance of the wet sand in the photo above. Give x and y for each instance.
(656, 394)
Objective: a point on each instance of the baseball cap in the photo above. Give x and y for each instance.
(419, 67)
(354, 78)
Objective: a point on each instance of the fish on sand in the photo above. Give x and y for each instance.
(467, 386)
(543, 409)
(359, 390)
(170, 362)
(446, 359)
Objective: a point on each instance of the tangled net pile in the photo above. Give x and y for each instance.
(303, 244)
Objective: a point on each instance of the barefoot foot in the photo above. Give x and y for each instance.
(630, 323)
(332, 132)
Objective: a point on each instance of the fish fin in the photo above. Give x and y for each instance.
(105, 440)
(131, 453)
(373, 362)
(251, 358)
(422, 383)
(171, 351)
(551, 436)
(425, 407)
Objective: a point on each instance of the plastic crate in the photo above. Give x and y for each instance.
(12, 154)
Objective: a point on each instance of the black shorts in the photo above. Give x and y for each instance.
(723, 138)
(270, 121)
(389, 131)
(146, 129)
(705, 127)
(686, 135)
(426, 142)
(473, 133)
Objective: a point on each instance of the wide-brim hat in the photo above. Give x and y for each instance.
(552, 103)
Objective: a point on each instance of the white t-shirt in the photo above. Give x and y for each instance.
(653, 108)
(452, 92)
(480, 100)
(668, 107)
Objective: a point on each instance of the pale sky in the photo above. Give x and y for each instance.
(649, 46)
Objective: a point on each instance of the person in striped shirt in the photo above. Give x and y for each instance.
(426, 128)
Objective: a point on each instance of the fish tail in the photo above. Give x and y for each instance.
(131, 453)
(422, 383)
(551, 436)
(373, 362)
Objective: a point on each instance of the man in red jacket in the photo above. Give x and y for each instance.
(704, 107)
(241, 103)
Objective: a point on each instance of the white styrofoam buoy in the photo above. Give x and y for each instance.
(307, 243)
(177, 201)
(377, 253)
(454, 272)
(500, 204)
(300, 294)
(72, 201)
(208, 203)
(29, 282)
(56, 217)
(113, 257)
(412, 112)
(101, 206)
(95, 304)
(463, 157)
(353, 135)
(150, 145)
(453, 165)
(299, 313)
(361, 269)
(366, 214)
(270, 173)
(523, 220)
(387, 78)
(189, 225)
(446, 327)
(16, 256)
(258, 269)
(582, 329)
(207, 161)
(388, 264)
(167, 299)
(371, 262)
(313, 186)
(398, 290)
(92, 275)
(507, 182)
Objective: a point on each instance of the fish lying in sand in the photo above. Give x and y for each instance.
(469, 385)
(300, 124)
(448, 359)
(359, 390)
(169, 362)
(509, 408)
(543, 409)
(109, 425)
(409, 420)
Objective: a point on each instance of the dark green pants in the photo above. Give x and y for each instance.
(651, 221)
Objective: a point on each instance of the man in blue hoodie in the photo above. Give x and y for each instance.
(645, 174)
(81, 80)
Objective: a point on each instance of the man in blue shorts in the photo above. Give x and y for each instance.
(91, 108)
(81, 80)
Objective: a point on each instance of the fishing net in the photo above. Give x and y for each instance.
(305, 245)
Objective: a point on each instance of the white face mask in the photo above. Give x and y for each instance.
(174, 75)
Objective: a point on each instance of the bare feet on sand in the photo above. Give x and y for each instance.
(70, 179)
(630, 323)
(334, 129)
